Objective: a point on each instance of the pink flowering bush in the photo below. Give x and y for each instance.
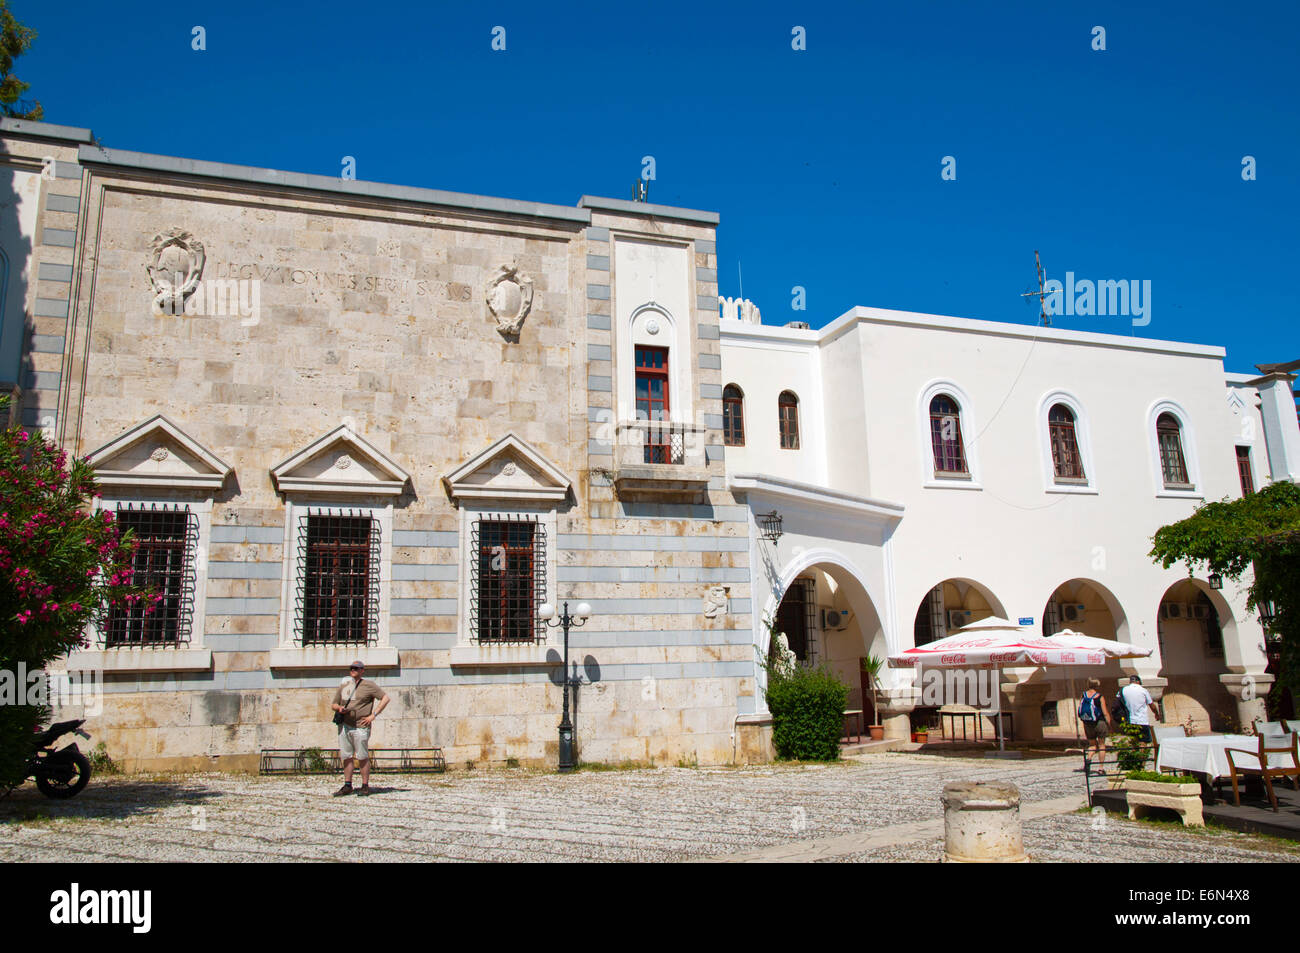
(61, 567)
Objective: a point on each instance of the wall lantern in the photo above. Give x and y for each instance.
(771, 523)
(1216, 581)
(1267, 613)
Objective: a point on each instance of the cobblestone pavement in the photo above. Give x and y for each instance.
(663, 814)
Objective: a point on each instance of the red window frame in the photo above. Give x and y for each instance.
(1169, 440)
(733, 416)
(651, 368)
(787, 408)
(1244, 471)
(1066, 461)
(949, 454)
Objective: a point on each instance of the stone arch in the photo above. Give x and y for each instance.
(1064, 685)
(1192, 658)
(842, 586)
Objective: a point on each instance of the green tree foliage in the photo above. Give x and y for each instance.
(15, 40)
(1229, 537)
(61, 566)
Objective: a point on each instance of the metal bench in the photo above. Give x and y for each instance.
(327, 761)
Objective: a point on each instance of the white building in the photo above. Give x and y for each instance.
(931, 471)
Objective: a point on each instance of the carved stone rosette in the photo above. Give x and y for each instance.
(509, 297)
(176, 269)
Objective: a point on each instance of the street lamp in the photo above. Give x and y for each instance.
(546, 613)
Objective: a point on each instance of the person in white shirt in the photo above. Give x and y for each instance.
(1141, 706)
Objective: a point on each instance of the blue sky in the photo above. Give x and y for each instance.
(823, 163)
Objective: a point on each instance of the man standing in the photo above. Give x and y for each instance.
(1141, 706)
(355, 702)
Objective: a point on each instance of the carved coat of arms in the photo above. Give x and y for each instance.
(175, 270)
(509, 297)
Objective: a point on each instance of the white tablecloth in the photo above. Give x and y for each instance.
(1207, 754)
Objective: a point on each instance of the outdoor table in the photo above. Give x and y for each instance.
(849, 713)
(1206, 756)
(977, 715)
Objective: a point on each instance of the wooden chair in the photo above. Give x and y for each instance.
(1286, 747)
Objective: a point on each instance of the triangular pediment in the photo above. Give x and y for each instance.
(157, 453)
(509, 469)
(340, 462)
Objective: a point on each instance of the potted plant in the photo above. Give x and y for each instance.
(1174, 792)
(871, 672)
(921, 734)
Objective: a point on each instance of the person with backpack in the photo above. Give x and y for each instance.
(1095, 715)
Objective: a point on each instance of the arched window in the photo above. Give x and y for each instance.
(945, 437)
(787, 406)
(1067, 462)
(733, 416)
(1173, 465)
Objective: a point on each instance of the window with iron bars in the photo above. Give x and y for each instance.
(1051, 618)
(166, 542)
(507, 579)
(338, 578)
(930, 623)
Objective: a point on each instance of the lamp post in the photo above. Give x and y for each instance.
(579, 618)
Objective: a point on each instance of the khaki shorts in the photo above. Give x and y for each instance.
(354, 742)
(1093, 730)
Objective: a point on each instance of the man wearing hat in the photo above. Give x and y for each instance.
(355, 702)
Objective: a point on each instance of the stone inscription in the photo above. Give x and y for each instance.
(343, 281)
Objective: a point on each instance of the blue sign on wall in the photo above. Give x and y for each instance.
(1029, 621)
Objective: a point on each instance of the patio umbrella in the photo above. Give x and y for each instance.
(1109, 647)
(994, 643)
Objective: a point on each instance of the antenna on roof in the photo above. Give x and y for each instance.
(1041, 294)
(640, 190)
(741, 276)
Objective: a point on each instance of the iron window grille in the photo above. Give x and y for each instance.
(1173, 465)
(507, 579)
(1211, 630)
(930, 623)
(945, 437)
(338, 578)
(787, 406)
(1066, 460)
(733, 416)
(167, 539)
(1051, 618)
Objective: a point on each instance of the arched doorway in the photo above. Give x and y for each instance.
(943, 610)
(950, 605)
(830, 619)
(1191, 624)
(1087, 607)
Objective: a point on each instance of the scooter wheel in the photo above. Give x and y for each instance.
(66, 780)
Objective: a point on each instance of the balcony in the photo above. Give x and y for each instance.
(660, 459)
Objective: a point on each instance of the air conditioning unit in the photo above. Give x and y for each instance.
(1174, 610)
(1201, 611)
(958, 618)
(1073, 611)
(836, 619)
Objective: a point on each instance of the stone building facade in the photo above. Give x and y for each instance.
(367, 421)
